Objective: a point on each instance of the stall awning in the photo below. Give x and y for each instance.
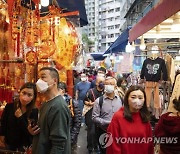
(163, 10)
(120, 43)
(77, 5)
(98, 56)
(67, 5)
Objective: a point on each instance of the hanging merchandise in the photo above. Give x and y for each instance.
(107, 63)
(68, 44)
(151, 72)
(170, 67)
(30, 42)
(175, 93)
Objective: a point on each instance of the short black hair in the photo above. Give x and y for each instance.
(120, 80)
(144, 113)
(53, 72)
(102, 69)
(62, 86)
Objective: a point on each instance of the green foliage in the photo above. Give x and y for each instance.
(86, 40)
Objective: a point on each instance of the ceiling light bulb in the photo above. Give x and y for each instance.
(39, 6)
(176, 23)
(121, 57)
(175, 27)
(142, 45)
(178, 58)
(129, 48)
(44, 3)
(111, 57)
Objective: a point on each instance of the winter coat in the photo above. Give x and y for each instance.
(75, 122)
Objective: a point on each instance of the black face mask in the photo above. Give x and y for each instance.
(101, 85)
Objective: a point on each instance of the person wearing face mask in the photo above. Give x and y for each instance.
(100, 72)
(92, 95)
(81, 89)
(103, 111)
(121, 87)
(14, 120)
(131, 122)
(52, 132)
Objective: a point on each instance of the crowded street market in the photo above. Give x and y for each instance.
(89, 77)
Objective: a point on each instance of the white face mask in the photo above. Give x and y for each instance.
(83, 79)
(42, 86)
(109, 89)
(101, 75)
(137, 103)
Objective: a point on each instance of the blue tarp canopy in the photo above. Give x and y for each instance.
(120, 43)
(98, 56)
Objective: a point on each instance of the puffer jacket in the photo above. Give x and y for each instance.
(75, 118)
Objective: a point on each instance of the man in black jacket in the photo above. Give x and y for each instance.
(92, 95)
(75, 116)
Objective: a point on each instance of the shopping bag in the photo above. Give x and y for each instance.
(86, 109)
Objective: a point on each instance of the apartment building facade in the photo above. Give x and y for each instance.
(108, 18)
(105, 20)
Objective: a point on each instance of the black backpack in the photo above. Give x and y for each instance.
(100, 103)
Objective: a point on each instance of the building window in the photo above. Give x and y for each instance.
(117, 9)
(117, 34)
(103, 36)
(110, 35)
(110, 27)
(117, 26)
(117, 18)
(110, 19)
(111, 11)
(109, 44)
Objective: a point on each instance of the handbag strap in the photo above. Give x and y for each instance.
(93, 94)
(71, 107)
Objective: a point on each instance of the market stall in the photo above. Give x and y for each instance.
(31, 39)
(160, 41)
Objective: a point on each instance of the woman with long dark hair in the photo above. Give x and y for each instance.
(14, 122)
(130, 130)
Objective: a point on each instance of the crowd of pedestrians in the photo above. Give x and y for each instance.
(102, 103)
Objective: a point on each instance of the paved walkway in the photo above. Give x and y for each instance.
(82, 141)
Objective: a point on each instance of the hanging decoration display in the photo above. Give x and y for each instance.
(34, 42)
(68, 44)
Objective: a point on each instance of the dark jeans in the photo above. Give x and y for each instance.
(99, 132)
(92, 143)
(81, 105)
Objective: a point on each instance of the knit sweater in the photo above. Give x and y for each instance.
(122, 130)
(54, 123)
(152, 69)
(169, 126)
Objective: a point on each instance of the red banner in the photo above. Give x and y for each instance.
(10, 7)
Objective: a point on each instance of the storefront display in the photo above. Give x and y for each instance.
(30, 41)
